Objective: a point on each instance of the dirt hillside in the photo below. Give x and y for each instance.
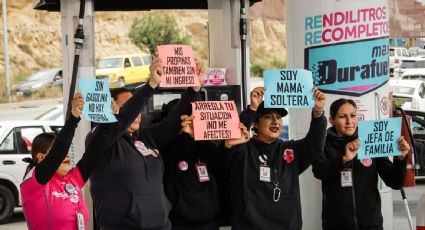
(35, 36)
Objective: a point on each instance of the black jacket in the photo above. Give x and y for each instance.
(337, 203)
(126, 185)
(252, 200)
(194, 203)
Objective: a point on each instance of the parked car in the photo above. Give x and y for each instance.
(414, 74)
(53, 114)
(418, 131)
(409, 94)
(15, 145)
(407, 64)
(122, 70)
(416, 51)
(39, 81)
(396, 54)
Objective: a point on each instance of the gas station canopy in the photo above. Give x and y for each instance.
(131, 5)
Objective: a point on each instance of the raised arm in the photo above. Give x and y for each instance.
(248, 116)
(47, 168)
(160, 134)
(106, 134)
(313, 143)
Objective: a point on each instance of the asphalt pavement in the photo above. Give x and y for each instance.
(26, 109)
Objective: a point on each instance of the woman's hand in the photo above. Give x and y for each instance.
(200, 70)
(187, 124)
(404, 147)
(256, 96)
(319, 99)
(155, 72)
(244, 138)
(77, 105)
(351, 150)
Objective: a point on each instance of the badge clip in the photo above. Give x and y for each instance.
(276, 192)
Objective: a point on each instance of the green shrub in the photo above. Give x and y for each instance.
(156, 29)
(276, 63)
(257, 70)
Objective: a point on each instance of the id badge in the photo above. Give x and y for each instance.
(346, 178)
(80, 220)
(265, 173)
(202, 172)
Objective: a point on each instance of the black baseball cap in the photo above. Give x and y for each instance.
(263, 111)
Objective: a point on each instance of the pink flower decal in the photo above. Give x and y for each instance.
(288, 155)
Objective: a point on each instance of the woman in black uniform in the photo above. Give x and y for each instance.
(127, 184)
(265, 187)
(195, 199)
(357, 204)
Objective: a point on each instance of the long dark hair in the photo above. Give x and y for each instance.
(338, 103)
(41, 144)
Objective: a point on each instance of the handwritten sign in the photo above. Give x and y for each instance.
(97, 100)
(379, 138)
(289, 88)
(179, 68)
(215, 120)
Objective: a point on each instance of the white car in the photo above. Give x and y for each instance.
(396, 55)
(53, 114)
(409, 93)
(407, 64)
(414, 74)
(15, 145)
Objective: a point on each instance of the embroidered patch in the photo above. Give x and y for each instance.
(366, 162)
(74, 198)
(288, 155)
(183, 165)
(145, 151)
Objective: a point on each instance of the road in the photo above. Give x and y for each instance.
(26, 109)
(31, 109)
(412, 194)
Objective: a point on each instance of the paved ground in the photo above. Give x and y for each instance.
(412, 195)
(27, 109)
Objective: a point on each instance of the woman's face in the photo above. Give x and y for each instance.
(345, 120)
(269, 127)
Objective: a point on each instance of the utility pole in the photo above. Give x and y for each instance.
(6, 53)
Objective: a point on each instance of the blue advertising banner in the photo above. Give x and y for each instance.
(378, 138)
(97, 100)
(349, 68)
(288, 88)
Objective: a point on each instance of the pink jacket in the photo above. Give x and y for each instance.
(54, 206)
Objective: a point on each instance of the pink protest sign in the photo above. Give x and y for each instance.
(215, 120)
(179, 68)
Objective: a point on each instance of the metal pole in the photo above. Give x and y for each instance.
(78, 40)
(6, 53)
(243, 33)
(406, 206)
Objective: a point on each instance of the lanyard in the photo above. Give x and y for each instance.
(277, 175)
